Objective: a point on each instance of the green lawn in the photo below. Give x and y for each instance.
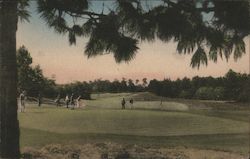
(170, 124)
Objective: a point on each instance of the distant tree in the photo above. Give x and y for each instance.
(232, 85)
(144, 82)
(185, 94)
(123, 85)
(219, 93)
(137, 81)
(244, 95)
(116, 86)
(186, 84)
(183, 88)
(24, 61)
(155, 87)
(131, 85)
(167, 88)
(30, 79)
(204, 93)
(37, 81)
(50, 88)
(210, 93)
(118, 31)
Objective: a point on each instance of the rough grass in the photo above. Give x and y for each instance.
(117, 151)
(172, 124)
(224, 142)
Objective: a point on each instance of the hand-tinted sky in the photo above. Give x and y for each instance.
(154, 60)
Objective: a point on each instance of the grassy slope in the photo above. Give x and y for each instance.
(103, 121)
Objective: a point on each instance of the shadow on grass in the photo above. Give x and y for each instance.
(224, 142)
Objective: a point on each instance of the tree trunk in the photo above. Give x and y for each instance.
(9, 127)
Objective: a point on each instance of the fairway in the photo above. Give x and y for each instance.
(172, 124)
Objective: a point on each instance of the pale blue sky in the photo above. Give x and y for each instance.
(68, 63)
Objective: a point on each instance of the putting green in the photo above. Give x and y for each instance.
(103, 120)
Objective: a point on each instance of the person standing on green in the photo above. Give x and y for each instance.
(57, 101)
(123, 103)
(22, 101)
(39, 100)
(67, 101)
(131, 101)
(78, 101)
(72, 102)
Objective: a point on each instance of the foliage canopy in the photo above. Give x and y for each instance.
(208, 29)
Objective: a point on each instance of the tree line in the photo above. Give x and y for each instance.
(118, 30)
(32, 80)
(233, 86)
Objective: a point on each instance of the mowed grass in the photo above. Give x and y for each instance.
(150, 124)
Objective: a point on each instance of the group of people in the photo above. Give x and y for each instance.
(70, 101)
(131, 102)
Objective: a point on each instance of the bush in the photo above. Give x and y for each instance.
(185, 94)
(244, 95)
(210, 93)
(219, 93)
(204, 93)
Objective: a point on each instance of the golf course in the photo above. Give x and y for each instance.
(154, 123)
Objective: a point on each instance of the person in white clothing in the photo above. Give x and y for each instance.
(67, 101)
(22, 101)
(78, 102)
